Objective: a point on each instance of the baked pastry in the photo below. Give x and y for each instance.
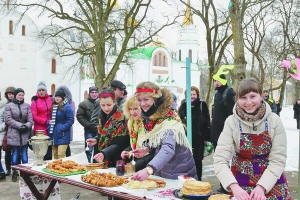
(92, 166)
(194, 187)
(219, 197)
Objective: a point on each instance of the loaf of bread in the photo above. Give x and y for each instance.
(219, 197)
(194, 187)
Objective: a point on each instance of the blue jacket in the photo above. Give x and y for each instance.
(62, 128)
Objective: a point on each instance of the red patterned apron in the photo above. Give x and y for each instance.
(250, 163)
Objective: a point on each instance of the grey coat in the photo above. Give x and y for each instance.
(13, 111)
(172, 160)
(2, 123)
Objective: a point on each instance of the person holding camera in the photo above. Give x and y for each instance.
(19, 120)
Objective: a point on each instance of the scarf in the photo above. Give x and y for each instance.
(114, 126)
(135, 128)
(160, 128)
(53, 117)
(258, 114)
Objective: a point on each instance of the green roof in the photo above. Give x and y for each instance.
(145, 52)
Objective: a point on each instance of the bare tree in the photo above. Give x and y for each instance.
(98, 25)
(216, 25)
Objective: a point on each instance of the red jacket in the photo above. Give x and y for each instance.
(41, 112)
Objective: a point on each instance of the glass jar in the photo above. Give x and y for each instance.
(129, 169)
(120, 167)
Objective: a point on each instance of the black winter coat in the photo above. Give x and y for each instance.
(84, 112)
(221, 111)
(296, 109)
(200, 125)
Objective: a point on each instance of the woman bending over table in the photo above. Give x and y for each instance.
(165, 135)
(112, 131)
(256, 139)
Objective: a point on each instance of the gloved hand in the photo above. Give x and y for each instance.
(23, 128)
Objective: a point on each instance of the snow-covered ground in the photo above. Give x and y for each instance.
(287, 117)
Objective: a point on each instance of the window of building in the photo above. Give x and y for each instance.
(52, 89)
(179, 54)
(190, 54)
(11, 46)
(53, 66)
(11, 27)
(23, 30)
(23, 47)
(160, 59)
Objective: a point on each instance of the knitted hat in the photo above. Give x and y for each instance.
(9, 90)
(93, 88)
(42, 86)
(60, 93)
(18, 90)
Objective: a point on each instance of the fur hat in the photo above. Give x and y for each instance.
(18, 90)
(117, 84)
(60, 93)
(93, 88)
(42, 86)
(9, 90)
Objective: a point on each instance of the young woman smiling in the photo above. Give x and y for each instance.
(255, 140)
(164, 134)
(132, 111)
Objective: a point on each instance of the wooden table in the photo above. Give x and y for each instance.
(27, 171)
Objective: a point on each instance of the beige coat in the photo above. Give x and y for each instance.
(229, 142)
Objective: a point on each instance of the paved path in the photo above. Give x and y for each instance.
(10, 190)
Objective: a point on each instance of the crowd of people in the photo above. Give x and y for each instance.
(147, 130)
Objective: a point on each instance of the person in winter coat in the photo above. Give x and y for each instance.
(279, 108)
(59, 128)
(84, 112)
(132, 111)
(200, 126)
(296, 109)
(9, 95)
(222, 109)
(113, 134)
(69, 99)
(254, 140)
(40, 107)
(163, 134)
(19, 120)
(3, 102)
(270, 101)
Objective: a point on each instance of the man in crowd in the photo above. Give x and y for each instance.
(270, 101)
(83, 115)
(223, 105)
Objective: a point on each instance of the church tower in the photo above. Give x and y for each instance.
(188, 44)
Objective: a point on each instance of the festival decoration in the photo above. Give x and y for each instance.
(224, 69)
(293, 67)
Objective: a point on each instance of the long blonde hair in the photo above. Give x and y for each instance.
(130, 102)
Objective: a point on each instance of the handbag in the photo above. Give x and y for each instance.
(5, 147)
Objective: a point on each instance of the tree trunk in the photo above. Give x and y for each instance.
(238, 42)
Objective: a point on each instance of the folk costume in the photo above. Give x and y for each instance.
(135, 127)
(165, 134)
(258, 149)
(113, 135)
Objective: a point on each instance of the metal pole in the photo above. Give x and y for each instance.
(188, 100)
(298, 157)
